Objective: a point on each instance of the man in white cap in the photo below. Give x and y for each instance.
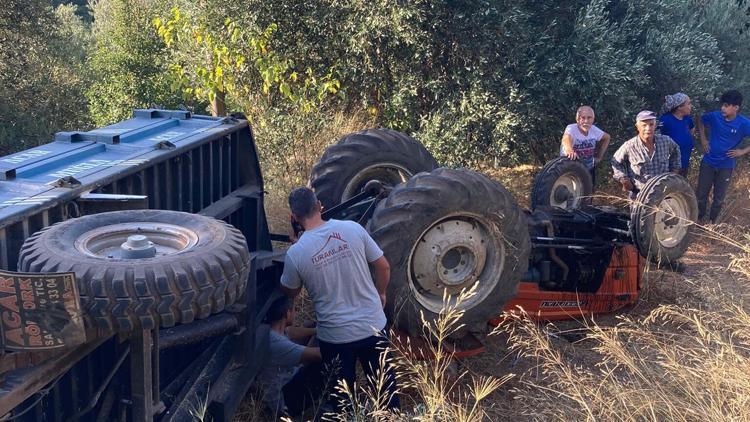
(644, 156)
(584, 141)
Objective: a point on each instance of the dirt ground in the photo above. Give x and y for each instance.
(706, 261)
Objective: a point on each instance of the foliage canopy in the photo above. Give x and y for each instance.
(42, 72)
(475, 80)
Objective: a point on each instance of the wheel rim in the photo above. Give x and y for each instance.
(105, 242)
(566, 191)
(671, 220)
(454, 254)
(389, 174)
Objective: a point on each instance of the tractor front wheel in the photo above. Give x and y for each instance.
(562, 183)
(661, 217)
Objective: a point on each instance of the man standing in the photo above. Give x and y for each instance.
(333, 259)
(584, 141)
(677, 124)
(292, 379)
(727, 128)
(644, 156)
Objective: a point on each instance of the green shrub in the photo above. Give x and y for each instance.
(42, 73)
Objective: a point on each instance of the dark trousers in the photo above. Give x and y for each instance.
(718, 179)
(303, 389)
(592, 170)
(342, 358)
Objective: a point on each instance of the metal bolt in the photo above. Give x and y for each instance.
(138, 241)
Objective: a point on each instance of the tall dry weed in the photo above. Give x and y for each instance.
(437, 391)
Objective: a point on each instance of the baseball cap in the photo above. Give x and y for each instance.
(645, 115)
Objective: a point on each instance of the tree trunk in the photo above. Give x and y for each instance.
(218, 105)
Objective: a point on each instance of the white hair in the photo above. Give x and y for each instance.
(582, 108)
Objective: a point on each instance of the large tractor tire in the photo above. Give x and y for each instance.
(200, 266)
(375, 154)
(445, 231)
(661, 217)
(562, 183)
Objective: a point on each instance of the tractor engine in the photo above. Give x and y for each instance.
(572, 248)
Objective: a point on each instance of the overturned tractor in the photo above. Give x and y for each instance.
(446, 230)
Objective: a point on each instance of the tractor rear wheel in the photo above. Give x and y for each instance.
(444, 232)
(385, 155)
(182, 267)
(661, 217)
(562, 183)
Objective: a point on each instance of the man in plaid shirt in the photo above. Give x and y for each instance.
(644, 156)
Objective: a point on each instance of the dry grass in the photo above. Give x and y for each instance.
(518, 180)
(677, 363)
(290, 168)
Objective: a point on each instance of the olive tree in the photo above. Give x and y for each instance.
(42, 73)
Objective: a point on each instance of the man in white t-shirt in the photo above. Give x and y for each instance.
(333, 259)
(584, 141)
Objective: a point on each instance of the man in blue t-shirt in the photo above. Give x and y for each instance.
(677, 124)
(726, 128)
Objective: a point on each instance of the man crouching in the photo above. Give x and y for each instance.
(292, 379)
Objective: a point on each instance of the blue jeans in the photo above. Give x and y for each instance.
(342, 358)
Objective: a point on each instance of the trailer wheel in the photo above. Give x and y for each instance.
(562, 183)
(445, 231)
(661, 217)
(374, 154)
(194, 266)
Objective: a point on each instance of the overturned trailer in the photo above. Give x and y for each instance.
(159, 340)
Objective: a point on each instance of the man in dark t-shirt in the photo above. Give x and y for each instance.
(727, 128)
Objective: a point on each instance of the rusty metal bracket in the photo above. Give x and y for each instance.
(95, 398)
(165, 145)
(66, 182)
